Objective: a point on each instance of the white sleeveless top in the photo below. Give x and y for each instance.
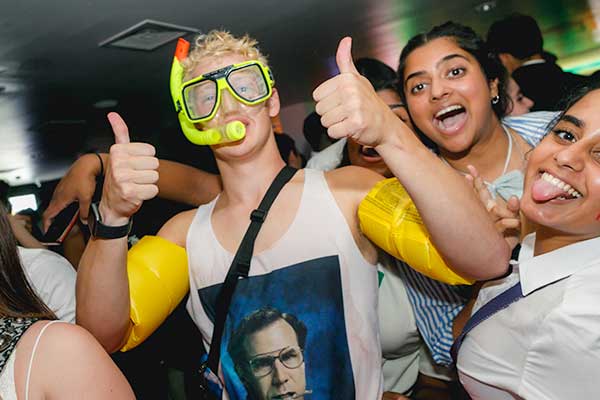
(315, 275)
(400, 340)
(8, 390)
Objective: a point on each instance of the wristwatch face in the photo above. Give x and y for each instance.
(100, 231)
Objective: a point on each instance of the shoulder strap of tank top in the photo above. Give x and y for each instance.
(35, 345)
(11, 330)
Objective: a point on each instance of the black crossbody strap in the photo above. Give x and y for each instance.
(500, 302)
(240, 265)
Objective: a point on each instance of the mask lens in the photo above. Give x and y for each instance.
(248, 83)
(200, 98)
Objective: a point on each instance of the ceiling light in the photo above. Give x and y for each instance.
(486, 6)
(106, 103)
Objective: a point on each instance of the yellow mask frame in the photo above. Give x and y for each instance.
(232, 131)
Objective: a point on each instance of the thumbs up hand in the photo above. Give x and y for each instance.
(130, 178)
(349, 106)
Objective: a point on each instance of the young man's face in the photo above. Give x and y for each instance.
(256, 118)
(275, 347)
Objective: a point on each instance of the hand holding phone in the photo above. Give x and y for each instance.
(61, 225)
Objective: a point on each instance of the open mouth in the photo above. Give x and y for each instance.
(450, 119)
(548, 187)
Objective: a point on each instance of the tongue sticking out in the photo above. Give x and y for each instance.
(544, 191)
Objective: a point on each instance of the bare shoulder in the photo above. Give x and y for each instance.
(175, 229)
(352, 181)
(63, 360)
(61, 337)
(64, 334)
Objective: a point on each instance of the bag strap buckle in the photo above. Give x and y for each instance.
(258, 215)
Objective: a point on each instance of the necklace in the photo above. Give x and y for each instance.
(506, 161)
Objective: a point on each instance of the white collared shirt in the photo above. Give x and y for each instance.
(547, 344)
(533, 62)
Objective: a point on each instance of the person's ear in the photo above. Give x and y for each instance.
(494, 90)
(273, 104)
(508, 61)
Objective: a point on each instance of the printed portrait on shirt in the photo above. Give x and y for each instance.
(285, 335)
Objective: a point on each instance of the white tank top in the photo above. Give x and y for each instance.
(317, 277)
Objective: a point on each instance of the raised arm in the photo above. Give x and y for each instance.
(78, 184)
(458, 224)
(178, 182)
(102, 284)
(185, 184)
(23, 236)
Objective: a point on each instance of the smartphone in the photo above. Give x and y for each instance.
(61, 225)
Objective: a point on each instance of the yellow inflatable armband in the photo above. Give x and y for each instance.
(389, 218)
(158, 281)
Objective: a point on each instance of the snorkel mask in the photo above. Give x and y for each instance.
(198, 100)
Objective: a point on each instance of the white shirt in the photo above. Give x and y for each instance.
(329, 158)
(53, 279)
(400, 340)
(547, 344)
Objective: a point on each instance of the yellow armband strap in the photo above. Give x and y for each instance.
(389, 218)
(158, 281)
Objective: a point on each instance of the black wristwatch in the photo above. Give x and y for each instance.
(100, 231)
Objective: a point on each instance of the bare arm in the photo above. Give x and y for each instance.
(452, 213)
(454, 217)
(178, 182)
(23, 236)
(185, 184)
(78, 184)
(103, 292)
(70, 364)
(102, 283)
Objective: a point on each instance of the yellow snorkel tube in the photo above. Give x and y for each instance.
(231, 132)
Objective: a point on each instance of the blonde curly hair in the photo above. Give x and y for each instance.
(218, 43)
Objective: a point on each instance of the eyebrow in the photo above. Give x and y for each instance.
(443, 60)
(573, 120)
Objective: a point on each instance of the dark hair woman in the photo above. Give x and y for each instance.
(550, 330)
(66, 362)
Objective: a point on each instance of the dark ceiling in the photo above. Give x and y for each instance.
(52, 70)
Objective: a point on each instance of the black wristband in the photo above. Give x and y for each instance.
(100, 231)
(101, 163)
